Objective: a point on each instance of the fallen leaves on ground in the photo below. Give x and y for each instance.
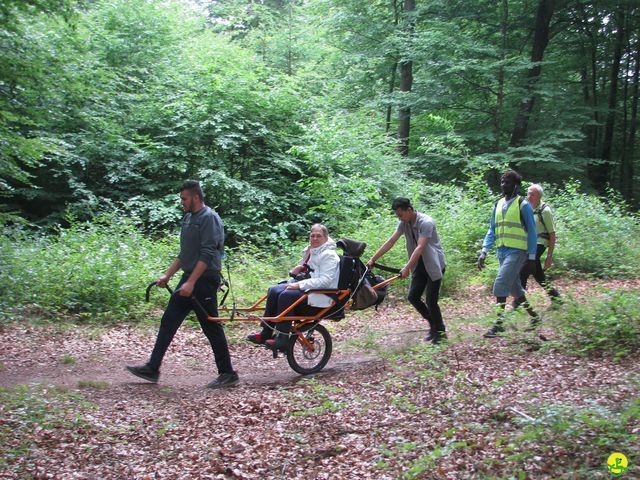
(387, 406)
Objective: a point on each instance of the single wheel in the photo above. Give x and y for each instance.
(305, 360)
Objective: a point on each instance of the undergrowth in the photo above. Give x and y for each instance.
(607, 324)
(99, 270)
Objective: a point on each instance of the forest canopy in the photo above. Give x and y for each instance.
(291, 112)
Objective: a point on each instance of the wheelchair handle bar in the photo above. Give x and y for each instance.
(197, 304)
(153, 284)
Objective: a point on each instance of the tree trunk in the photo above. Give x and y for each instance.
(394, 69)
(625, 117)
(627, 165)
(540, 42)
(290, 43)
(603, 170)
(497, 118)
(392, 86)
(406, 82)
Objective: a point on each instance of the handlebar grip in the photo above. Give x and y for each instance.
(151, 285)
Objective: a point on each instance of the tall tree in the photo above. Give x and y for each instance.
(406, 78)
(629, 159)
(540, 42)
(393, 71)
(601, 172)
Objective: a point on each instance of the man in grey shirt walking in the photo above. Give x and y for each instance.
(200, 257)
(426, 263)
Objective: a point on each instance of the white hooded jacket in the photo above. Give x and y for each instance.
(324, 263)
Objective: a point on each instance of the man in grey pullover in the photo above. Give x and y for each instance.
(201, 247)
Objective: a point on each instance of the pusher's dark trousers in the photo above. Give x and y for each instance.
(205, 290)
(421, 281)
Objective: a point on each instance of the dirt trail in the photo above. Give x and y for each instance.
(62, 356)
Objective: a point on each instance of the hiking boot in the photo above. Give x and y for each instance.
(535, 323)
(556, 302)
(256, 338)
(494, 331)
(145, 372)
(224, 380)
(438, 337)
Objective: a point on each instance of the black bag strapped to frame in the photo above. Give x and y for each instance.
(351, 271)
(366, 296)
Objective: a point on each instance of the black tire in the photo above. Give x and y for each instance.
(306, 361)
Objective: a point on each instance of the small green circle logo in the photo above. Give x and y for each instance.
(617, 463)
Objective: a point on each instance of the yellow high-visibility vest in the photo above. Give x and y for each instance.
(509, 229)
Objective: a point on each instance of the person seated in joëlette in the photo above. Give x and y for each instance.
(319, 268)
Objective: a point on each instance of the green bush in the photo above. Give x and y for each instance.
(251, 271)
(93, 269)
(596, 235)
(608, 324)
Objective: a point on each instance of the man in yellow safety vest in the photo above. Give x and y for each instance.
(513, 231)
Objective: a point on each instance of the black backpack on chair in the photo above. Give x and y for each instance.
(364, 296)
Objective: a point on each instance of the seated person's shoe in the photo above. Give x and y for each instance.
(494, 331)
(281, 343)
(258, 338)
(145, 372)
(224, 380)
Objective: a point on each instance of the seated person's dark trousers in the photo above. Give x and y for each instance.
(205, 290)
(278, 300)
(430, 311)
(539, 274)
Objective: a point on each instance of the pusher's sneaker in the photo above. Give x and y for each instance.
(224, 380)
(146, 372)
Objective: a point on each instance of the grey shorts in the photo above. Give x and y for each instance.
(508, 279)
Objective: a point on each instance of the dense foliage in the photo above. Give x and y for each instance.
(608, 324)
(102, 267)
(288, 110)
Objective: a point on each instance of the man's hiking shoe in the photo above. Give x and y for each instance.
(256, 338)
(535, 323)
(556, 303)
(435, 338)
(224, 380)
(494, 331)
(145, 372)
(438, 338)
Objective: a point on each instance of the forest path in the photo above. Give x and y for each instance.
(454, 412)
(66, 356)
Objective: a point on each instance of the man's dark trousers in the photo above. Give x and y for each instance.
(539, 274)
(430, 310)
(205, 290)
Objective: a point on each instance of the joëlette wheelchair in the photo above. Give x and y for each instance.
(309, 345)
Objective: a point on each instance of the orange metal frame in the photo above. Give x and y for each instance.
(298, 320)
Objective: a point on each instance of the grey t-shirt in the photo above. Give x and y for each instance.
(433, 254)
(201, 238)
